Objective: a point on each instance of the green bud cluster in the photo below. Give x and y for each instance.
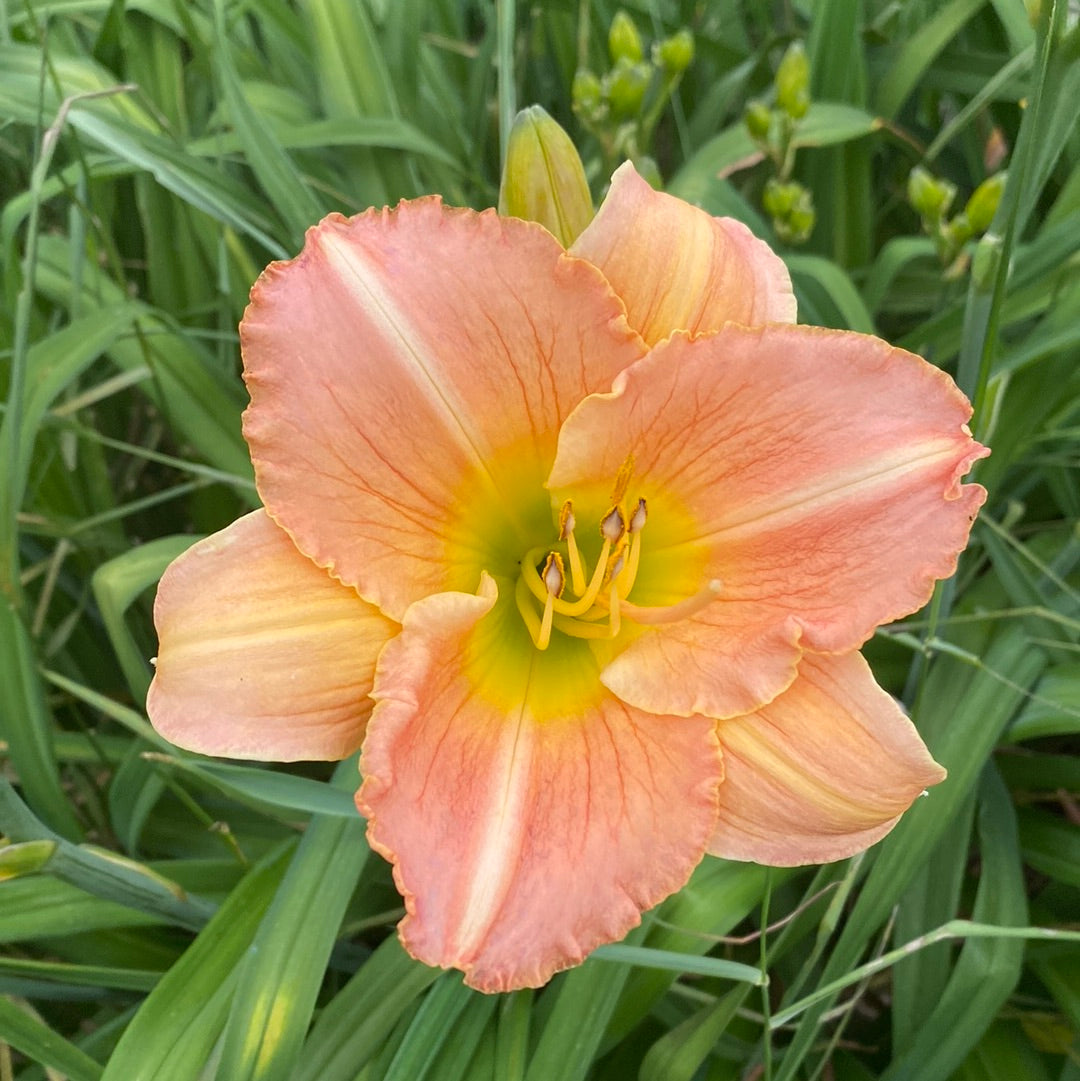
(773, 128)
(932, 198)
(791, 207)
(622, 106)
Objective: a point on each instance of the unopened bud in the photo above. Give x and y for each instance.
(586, 92)
(674, 54)
(793, 81)
(778, 197)
(543, 179)
(626, 86)
(929, 196)
(624, 41)
(984, 266)
(758, 119)
(800, 222)
(983, 204)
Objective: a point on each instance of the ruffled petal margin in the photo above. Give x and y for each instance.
(260, 653)
(522, 842)
(408, 373)
(678, 268)
(820, 773)
(814, 473)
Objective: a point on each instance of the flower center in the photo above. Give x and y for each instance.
(595, 603)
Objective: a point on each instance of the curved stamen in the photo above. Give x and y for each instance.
(566, 533)
(671, 613)
(567, 608)
(523, 600)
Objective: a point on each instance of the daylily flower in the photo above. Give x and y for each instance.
(580, 548)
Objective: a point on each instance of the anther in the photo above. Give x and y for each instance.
(554, 579)
(638, 518)
(552, 575)
(613, 525)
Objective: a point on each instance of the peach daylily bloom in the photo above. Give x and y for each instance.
(580, 549)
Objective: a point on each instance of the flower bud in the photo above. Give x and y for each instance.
(793, 81)
(626, 86)
(984, 267)
(758, 119)
(543, 179)
(929, 196)
(983, 204)
(624, 41)
(586, 93)
(674, 54)
(778, 197)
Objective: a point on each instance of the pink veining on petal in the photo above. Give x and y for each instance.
(819, 472)
(521, 842)
(412, 366)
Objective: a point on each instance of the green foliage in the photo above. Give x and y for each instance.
(163, 916)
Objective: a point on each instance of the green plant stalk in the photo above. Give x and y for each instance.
(505, 19)
(90, 870)
(952, 931)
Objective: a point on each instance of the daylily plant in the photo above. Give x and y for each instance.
(579, 547)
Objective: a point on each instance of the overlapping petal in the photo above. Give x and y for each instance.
(408, 373)
(678, 268)
(523, 837)
(261, 654)
(817, 477)
(820, 773)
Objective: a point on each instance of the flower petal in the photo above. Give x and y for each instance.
(820, 773)
(814, 473)
(261, 654)
(528, 821)
(408, 372)
(678, 268)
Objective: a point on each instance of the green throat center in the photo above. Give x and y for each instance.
(593, 604)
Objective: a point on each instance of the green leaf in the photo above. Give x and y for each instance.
(172, 1034)
(27, 1033)
(283, 972)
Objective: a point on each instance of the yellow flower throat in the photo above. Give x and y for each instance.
(598, 601)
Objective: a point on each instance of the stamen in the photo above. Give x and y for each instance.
(566, 533)
(622, 479)
(553, 575)
(638, 518)
(540, 591)
(613, 525)
(576, 629)
(523, 599)
(616, 562)
(671, 613)
(613, 603)
(633, 557)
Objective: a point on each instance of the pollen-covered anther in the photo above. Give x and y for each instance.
(553, 576)
(613, 525)
(638, 518)
(554, 579)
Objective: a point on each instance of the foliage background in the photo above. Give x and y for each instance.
(167, 917)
